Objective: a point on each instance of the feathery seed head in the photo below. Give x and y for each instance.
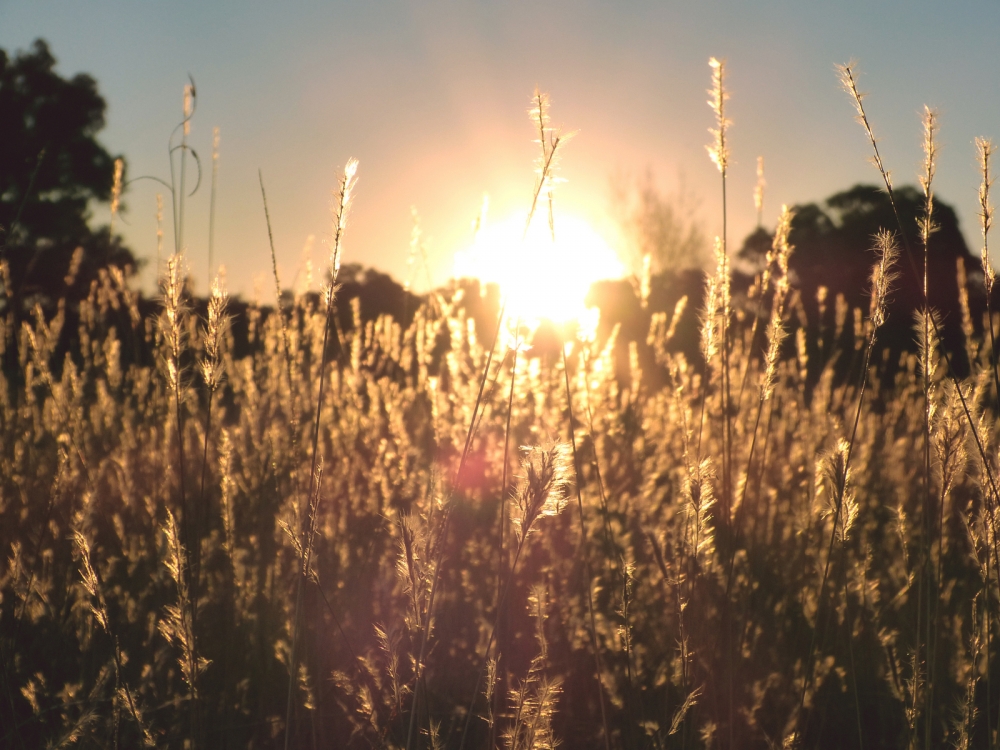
(930, 149)
(776, 335)
(928, 344)
(538, 112)
(700, 499)
(550, 140)
(883, 275)
(925, 222)
(984, 152)
(709, 345)
(543, 486)
(218, 323)
(171, 321)
(341, 204)
(90, 582)
(716, 301)
(718, 150)
(782, 250)
(175, 552)
(846, 74)
(116, 186)
(758, 191)
(834, 471)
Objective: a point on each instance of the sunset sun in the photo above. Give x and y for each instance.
(541, 278)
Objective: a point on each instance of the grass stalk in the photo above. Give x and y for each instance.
(173, 330)
(278, 309)
(501, 560)
(584, 552)
(984, 151)
(719, 153)
(926, 227)
(550, 143)
(212, 373)
(848, 81)
(425, 630)
(189, 95)
(850, 648)
(613, 548)
(425, 633)
(341, 206)
(775, 336)
(992, 495)
(883, 275)
(211, 204)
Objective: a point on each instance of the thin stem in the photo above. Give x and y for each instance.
(850, 649)
(489, 643)
(850, 85)
(609, 537)
(833, 533)
(586, 556)
(501, 566)
(343, 201)
(195, 574)
(425, 634)
(277, 302)
(211, 204)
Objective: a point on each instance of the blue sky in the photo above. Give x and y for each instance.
(431, 97)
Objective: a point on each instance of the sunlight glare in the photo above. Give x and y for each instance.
(541, 279)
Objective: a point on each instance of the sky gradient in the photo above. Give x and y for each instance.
(431, 97)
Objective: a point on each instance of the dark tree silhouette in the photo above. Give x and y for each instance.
(833, 249)
(51, 168)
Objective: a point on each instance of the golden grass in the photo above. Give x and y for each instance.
(334, 581)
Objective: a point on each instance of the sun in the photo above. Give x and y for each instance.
(541, 278)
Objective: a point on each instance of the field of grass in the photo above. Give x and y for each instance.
(272, 529)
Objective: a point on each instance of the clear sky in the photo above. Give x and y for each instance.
(431, 97)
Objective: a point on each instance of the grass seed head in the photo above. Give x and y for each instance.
(883, 275)
(218, 324)
(340, 208)
(543, 486)
(718, 150)
(984, 153)
(758, 191)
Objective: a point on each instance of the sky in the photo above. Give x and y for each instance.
(431, 97)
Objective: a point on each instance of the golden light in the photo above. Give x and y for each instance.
(541, 278)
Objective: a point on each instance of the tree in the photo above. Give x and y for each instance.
(51, 168)
(833, 250)
(662, 227)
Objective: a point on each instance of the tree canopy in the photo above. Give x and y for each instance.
(51, 168)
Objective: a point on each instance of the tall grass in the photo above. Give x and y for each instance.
(224, 524)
